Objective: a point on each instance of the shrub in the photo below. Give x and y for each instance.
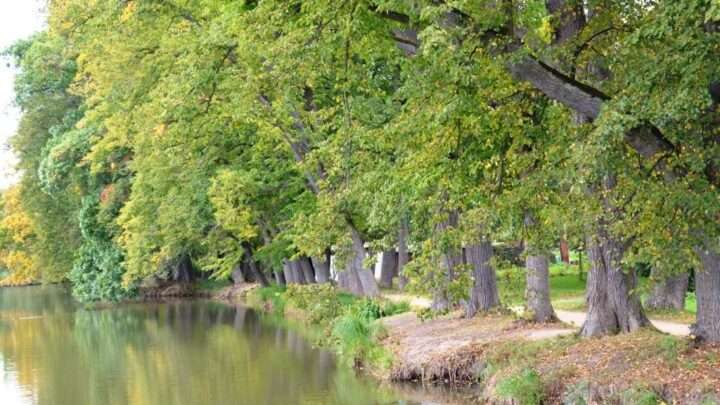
(321, 301)
(367, 309)
(524, 387)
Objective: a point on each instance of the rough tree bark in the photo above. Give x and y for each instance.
(349, 279)
(297, 271)
(287, 273)
(484, 292)
(322, 267)
(403, 253)
(668, 292)
(707, 290)
(613, 306)
(307, 269)
(537, 278)
(537, 291)
(388, 268)
(368, 284)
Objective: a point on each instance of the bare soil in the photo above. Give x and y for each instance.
(603, 370)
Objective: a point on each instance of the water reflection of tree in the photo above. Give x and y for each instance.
(174, 353)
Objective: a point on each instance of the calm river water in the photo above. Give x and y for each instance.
(53, 352)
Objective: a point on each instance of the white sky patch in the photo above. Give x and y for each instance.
(18, 19)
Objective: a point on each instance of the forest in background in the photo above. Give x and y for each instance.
(172, 138)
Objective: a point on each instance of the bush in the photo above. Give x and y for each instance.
(524, 387)
(321, 301)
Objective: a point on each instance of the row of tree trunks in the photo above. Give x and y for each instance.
(668, 293)
(304, 270)
(612, 306)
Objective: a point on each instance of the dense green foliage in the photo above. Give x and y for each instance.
(210, 129)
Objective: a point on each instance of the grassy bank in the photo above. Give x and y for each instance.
(346, 324)
(508, 360)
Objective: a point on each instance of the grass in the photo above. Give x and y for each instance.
(567, 291)
(524, 387)
(345, 323)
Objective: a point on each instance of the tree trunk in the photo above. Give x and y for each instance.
(537, 290)
(564, 251)
(613, 306)
(322, 267)
(707, 290)
(368, 284)
(280, 278)
(290, 277)
(307, 269)
(237, 275)
(403, 253)
(388, 268)
(183, 272)
(484, 292)
(537, 277)
(668, 293)
(298, 271)
(349, 279)
(258, 275)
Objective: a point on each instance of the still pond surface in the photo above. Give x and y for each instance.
(53, 352)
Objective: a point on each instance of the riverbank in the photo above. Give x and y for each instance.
(508, 360)
(500, 357)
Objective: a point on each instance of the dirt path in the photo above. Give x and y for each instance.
(574, 318)
(672, 328)
(449, 345)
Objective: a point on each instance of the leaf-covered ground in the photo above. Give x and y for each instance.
(643, 366)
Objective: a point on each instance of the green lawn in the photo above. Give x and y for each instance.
(567, 291)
